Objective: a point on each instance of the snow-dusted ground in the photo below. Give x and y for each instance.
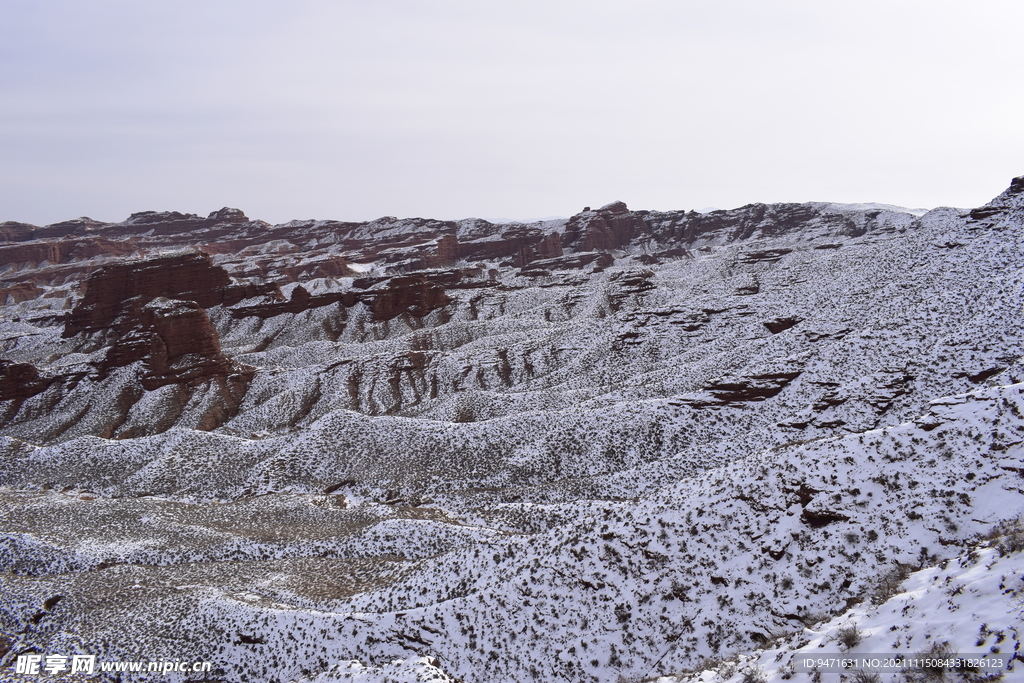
(970, 607)
(705, 567)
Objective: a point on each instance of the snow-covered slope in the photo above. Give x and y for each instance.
(959, 620)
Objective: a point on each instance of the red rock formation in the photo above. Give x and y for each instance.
(173, 338)
(55, 262)
(387, 297)
(115, 293)
(327, 265)
(180, 347)
(19, 381)
(752, 388)
(12, 231)
(414, 295)
(76, 226)
(610, 227)
(173, 222)
(300, 301)
(548, 248)
(23, 291)
(250, 290)
(447, 251)
(178, 343)
(33, 253)
(573, 261)
(510, 244)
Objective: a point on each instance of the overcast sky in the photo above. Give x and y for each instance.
(451, 108)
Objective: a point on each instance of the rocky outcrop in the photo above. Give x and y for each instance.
(763, 256)
(600, 260)
(19, 381)
(77, 226)
(781, 324)
(23, 382)
(115, 294)
(729, 390)
(447, 251)
(55, 262)
(325, 266)
(32, 254)
(752, 388)
(23, 291)
(548, 248)
(387, 298)
(752, 220)
(610, 227)
(414, 295)
(1009, 202)
(153, 312)
(173, 222)
(176, 340)
(12, 231)
(179, 347)
(54, 252)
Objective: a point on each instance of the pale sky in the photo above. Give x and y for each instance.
(457, 108)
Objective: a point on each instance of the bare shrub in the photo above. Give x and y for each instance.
(889, 583)
(848, 637)
(866, 677)
(1007, 536)
(754, 674)
(930, 674)
(815, 618)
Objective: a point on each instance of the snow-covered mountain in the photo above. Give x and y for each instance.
(612, 447)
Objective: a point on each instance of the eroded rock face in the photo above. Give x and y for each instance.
(610, 227)
(410, 294)
(548, 248)
(573, 261)
(153, 312)
(177, 342)
(23, 291)
(19, 381)
(115, 295)
(11, 231)
(387, 297)
(172, 222)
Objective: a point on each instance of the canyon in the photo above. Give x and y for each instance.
(610, 447)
